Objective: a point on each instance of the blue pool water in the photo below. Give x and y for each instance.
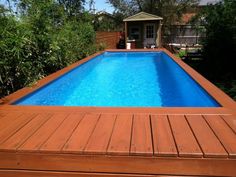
(121, 79)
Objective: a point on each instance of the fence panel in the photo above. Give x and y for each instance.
(108, 39)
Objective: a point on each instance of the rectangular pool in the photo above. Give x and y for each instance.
(123, 79)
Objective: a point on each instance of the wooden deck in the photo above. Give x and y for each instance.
(45, 141)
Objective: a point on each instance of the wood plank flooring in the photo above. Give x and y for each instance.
(120, 134)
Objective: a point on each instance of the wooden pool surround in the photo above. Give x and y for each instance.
(45, 141)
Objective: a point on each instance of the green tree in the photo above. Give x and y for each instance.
(219, 46)
(17, 49)
(41, 39)
(170, 10)
(220, 43)
(72, 7)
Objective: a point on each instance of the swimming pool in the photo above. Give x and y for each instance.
(123, 79)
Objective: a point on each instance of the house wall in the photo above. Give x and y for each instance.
(108, 39)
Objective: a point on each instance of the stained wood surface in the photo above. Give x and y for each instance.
(139, 134)
(185, 141)
(30, 173)
(21, 136)
(10, 128)
(47, 162)
(231, 121)
(224, 133)
(9, 119)
(141, 141)
(62, 133)
(209, 143)
(81, 135)
(172, 137)
(43, 133)
(163, 140)
(121, 136)
(100, 137)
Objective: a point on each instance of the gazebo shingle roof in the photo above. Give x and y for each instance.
(142, 16)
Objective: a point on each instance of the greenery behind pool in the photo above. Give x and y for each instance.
(44, 38)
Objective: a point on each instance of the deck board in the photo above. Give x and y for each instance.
(184, 138)
(223, 132)
(121, 137)
(81, 135)
(17, 124)
(231, 121)
(24, 133)
(209, 143)
(99, 140)
(6, 121)
(62, 134)
(141, 143)
(2, 114)
(30, 173)
(43, 133)
(163, 140)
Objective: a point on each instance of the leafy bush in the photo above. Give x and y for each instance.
(181, 53)
(71, 43)
(17, 48)
(219, 47)
(41, 40)
(220, 43)
(228, 87)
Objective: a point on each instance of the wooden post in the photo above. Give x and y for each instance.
(159, 34)
(126, 34)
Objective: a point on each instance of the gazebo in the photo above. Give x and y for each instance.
(143, 30)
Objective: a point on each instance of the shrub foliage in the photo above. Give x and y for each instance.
(220, 45)
(220, 42)
(43, 37)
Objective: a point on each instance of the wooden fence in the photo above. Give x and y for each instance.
(108, 39)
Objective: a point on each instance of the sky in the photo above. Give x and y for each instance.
(205, 2)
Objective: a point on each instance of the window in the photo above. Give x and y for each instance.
(150, 31)
(134, 32)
